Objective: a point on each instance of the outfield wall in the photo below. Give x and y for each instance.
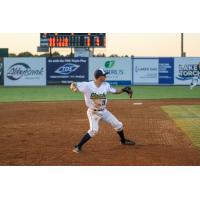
(65, 70)
(1, 71)
(185, 69)
(119, 69)
(40, 71)
(21, 71)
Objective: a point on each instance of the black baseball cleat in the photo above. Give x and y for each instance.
(127, 142)
(77, 149)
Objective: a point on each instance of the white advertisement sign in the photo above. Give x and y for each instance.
(145, 71)
(185, 69)
(24, 71)
(120, 69)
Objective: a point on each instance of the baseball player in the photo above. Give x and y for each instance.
(95, 99)
(195, 78)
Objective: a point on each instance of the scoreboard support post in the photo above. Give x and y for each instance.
(71, 52)
(93, 51)
(50, 48)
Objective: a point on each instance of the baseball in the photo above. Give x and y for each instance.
(73, 87)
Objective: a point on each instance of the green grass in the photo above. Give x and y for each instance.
(188, 119)
(60, 93)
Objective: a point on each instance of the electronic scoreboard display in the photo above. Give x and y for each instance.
(73, 40)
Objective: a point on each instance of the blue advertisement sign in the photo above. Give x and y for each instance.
(166, 70)
(186, 70)
(66, 70)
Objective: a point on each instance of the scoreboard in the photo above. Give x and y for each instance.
(73, 40)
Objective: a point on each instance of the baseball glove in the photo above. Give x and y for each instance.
(128, 90)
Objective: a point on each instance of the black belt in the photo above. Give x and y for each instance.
(98, 110)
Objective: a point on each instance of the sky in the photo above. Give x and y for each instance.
(137, 44)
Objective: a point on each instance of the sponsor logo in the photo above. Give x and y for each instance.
(97, 96)
(115, 72)
(137, 69)
(109, 64)
(187, 71)
(112, 72)
(67, 69)
(19, 70)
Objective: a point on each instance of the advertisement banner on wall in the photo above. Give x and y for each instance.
(24, 71)
(119, 69)
(145, 71)
(1, 71)
(185, 69)
(166, 70)
(66, 70)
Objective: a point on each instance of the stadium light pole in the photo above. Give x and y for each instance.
(182, 45)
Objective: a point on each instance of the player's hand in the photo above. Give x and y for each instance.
(73, 87)
(129, 91)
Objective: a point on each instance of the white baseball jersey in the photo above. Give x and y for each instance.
(95, 97)
(194, 82)
(96, 101)
(195, 77)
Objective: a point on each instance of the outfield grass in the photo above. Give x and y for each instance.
(188, 119)
(60, 93)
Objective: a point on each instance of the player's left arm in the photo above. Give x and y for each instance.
(127, 90)
(118, 91)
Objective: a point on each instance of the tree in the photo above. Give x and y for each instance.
(70, 55)
(12, 55)
(25, 54)
(45, 55)
(114, 55)
(56, 54)
(100, 55)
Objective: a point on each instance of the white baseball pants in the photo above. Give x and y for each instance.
(95, 117)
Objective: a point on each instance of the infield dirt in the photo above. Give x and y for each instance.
(44, 133)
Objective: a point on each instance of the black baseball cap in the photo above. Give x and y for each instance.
(100, 72)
